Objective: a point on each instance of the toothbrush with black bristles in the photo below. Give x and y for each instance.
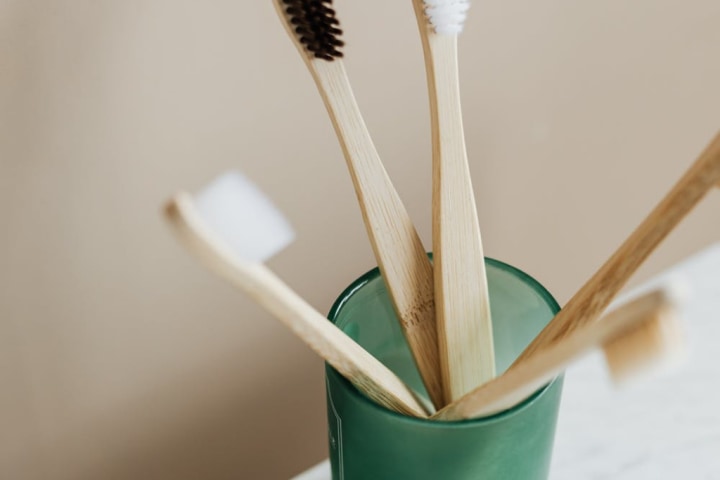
(314, 28)
(462, 304)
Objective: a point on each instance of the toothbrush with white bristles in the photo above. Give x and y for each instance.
(404, 265)
(462, 303)
(232, 227)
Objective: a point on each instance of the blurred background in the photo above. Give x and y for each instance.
(122, 358)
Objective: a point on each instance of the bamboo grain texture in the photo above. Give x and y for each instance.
(462, 302)
(401, 257)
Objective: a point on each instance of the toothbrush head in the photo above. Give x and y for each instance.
(654, 345)
(447, 17)
(314, 27)
(238, 212)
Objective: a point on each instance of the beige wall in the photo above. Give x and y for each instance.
(120, 357)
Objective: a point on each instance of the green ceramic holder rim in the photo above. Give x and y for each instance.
(373, 274)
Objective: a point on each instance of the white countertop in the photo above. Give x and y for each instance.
(667, 427)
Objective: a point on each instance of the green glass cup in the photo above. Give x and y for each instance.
(369, 442)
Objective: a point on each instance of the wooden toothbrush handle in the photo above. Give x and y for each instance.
(363, 370)
(590, 301)
(465, 335)
(367, 373)
(519, 383)
(402, 260)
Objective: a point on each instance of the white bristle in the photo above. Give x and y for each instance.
(244, 217)
(447, 17)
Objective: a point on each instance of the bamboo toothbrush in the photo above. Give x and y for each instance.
(462, 304)
(589, 302)
(639, 335)
(232, 227)
(401, 257)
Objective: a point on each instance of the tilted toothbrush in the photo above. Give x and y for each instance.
(462, 303)
(403, 263)
(590, 301)
(636, 337)
(232, 227)
(700, 273)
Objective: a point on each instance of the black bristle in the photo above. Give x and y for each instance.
(316, 27)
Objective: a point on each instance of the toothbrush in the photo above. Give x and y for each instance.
(402, 260)
(589, 302)
(639, 335)
(462, 304)
(232, 227)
